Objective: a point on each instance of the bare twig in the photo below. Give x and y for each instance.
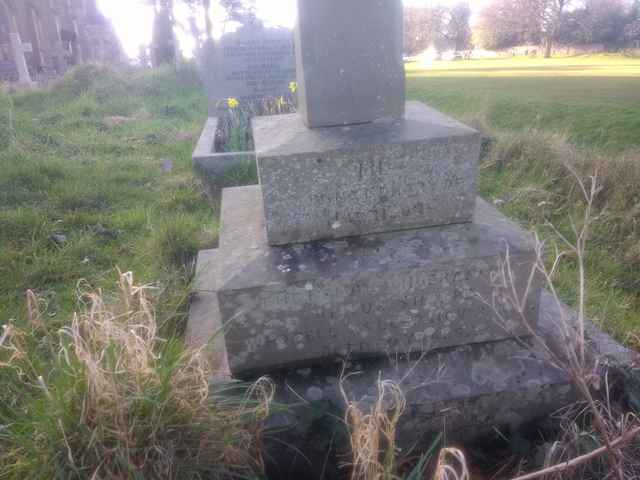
(622, 440)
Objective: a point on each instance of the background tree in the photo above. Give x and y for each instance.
(632, 33)
(501, 24)
(205, 7)
(208, 25)
(235, 10)
(426, 27)
(164, 43)
(596, 21)
(458, 28)
(241, 11)
(632, 29)
(547, 17)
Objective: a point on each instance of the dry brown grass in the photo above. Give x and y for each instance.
(452, 465)
(578, 439)
(124, 402)
(372, 432)
(568, 351)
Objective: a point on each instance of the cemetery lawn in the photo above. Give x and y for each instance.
(95, 175)
(595, 100)
(539, 113)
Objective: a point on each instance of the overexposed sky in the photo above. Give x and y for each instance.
(133, 20)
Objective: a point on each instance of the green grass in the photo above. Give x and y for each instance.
(85, 189)
(537, 110)
(67, 172)
(593, 99)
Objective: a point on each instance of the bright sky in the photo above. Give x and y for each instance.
(133, 20)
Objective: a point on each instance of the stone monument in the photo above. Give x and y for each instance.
(330, 256)
(365, 241)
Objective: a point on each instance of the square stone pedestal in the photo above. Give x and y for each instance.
(337, 182)
(376, 295)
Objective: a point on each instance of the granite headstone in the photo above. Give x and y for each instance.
(251, 64)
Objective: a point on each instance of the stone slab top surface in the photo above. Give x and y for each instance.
(250, 261)
(285, 135)
(204, 329)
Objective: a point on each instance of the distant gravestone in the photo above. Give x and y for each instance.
(251, 64)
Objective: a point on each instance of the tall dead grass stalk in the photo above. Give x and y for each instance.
(372, 433)
(452, 465)
(569, 353)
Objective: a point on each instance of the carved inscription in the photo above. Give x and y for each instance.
(373, 189)
(254, 63)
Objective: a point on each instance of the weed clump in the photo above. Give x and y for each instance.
(120, 402)
(178, 241)
(525, 174)
(82, 79)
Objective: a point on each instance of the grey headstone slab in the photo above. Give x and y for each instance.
(250, 64)
(349, 61)
(343, 181)
(474, 387)
(463, 391)
(395, 292)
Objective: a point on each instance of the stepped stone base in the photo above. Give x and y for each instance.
(464, 392)
(407, 291)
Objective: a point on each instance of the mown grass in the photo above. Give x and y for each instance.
(96, 173)
(593, 99)
(541, 113)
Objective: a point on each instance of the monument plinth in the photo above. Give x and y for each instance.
(374, 295)
(330, 256)
(336, 182)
